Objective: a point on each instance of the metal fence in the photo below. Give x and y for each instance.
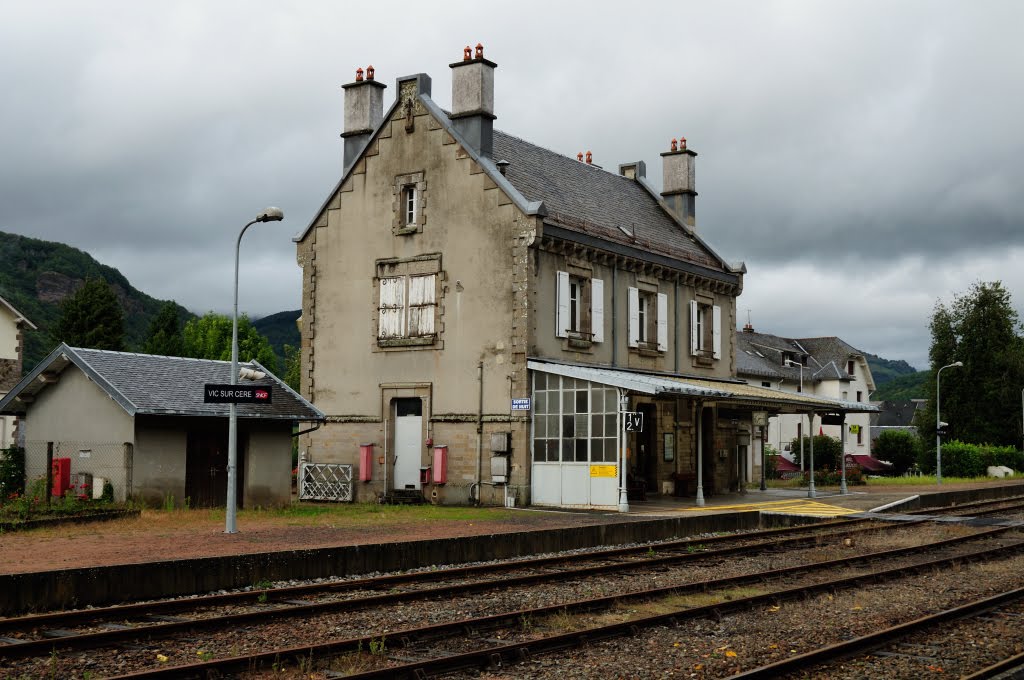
(325, 482)
(91, 465)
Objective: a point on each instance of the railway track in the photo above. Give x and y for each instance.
(54, 634)
(458, 628)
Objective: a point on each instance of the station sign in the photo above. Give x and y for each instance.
(214, 393)
(521, 404)
(633, 421)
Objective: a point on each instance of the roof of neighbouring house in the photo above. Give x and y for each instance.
(896, 413)
(763, 354)
(159, 385)
(783, 464)
(18, 316)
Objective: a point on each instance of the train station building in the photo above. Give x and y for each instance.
(486, 320)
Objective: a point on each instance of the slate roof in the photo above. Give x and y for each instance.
(587, 198)
(761, 354)
(897, 413)
(159, 385)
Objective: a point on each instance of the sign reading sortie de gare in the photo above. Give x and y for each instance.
(236, 394)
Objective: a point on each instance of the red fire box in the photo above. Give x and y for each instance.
(440, 464)
(365, 462)
(61, 476)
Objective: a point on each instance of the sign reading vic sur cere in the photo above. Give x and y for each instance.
(236, 394)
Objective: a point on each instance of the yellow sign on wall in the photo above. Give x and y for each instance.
(602, 470)
(854, 429)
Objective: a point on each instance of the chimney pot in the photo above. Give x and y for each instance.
(467, 54)
(675, 143)
(502, 166)
(682, 143)
(590, 158)
(369, 72)
(359, 75)
(479, 51)
(579, 156)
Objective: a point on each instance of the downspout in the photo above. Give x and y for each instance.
(480, 434)
(700, 453)
(675, 329)
(614, 322)
(620, 439)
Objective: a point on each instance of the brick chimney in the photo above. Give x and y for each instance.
(364, 111)
(473, 99)
(677, 173)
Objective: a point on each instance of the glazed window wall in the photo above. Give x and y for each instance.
(574, 421)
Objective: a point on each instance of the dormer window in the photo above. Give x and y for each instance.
(849, 367)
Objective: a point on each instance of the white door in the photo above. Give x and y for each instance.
(408, 446)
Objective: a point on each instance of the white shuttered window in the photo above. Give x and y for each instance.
(407, 306)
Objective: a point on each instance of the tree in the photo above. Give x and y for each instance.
(209, 337)
(981, 400)
(164, 335)
(899, 448)
(827, 450)
(92, 318)
(292, 367)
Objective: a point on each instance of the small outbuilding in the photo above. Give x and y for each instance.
(139, 425)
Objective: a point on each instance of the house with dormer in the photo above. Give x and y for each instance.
(487, 320)
(826, 367)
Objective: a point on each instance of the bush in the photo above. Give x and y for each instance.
(902, 449)
(827, 451)
(830, 477)
(12, 472)
(960, 459)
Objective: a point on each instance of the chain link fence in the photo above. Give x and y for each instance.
(85, 468)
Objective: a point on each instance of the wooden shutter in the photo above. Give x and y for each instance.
(422, 303)
(634, 317)
(662, 322)
(716, 331)
(694, 340)
(597, 309)
(391, 323)
(562, 307)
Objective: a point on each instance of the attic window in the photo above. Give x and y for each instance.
(409, 204)
(849, 367)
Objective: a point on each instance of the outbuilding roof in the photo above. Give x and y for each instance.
(158, 385)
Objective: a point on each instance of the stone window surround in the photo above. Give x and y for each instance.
(416, 180)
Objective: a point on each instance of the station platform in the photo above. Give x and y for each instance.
(827, 503)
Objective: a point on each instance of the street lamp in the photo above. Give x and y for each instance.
(230, 524)
(938, 420)
(790, 364)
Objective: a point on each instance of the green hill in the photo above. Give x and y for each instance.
(280, 329)
(910, 386)
(37, 276)
(885, 370)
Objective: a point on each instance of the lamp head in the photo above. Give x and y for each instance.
(270, 215)
(958, 363)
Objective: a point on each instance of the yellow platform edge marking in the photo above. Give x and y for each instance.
(797, 506)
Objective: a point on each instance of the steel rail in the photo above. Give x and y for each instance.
(1006, 665)
(516, 651)
(95, 639)
(884, 637)
(267, 595)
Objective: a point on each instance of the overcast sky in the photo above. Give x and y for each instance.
(864, 159)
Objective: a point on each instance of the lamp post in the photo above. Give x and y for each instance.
(938, 420)
(230, 522)
(790, 363)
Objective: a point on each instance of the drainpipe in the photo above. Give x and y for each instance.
(614, 324)
(620, 439)
(700, 454)
(480, 434)
(675, 329)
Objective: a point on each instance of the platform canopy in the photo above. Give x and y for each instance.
(731, 392)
